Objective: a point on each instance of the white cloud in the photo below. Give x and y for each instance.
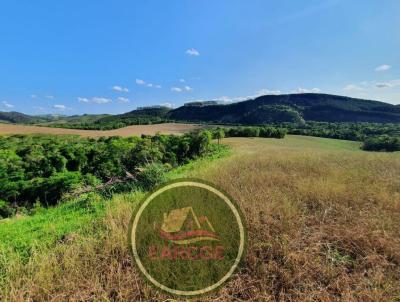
(223, 99)
(365, 85)
(167, 104)
(120, 89)
(181, 89)
(265, 91)
(198, 100)
(305, 90)
(150, 85)
(383, 67)
(7, 104)
(182, 80)
(99, 100)
(83, 100)
(352, 87)
(59, 107)
(226, 99)
(94, 100)
(153, 85)
(50, 97)
(382, 85)
(192, 52)
(123, 100)
(388, 84)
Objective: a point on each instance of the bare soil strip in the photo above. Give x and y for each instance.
(167, 128)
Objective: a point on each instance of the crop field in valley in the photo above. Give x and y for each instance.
(166, 128)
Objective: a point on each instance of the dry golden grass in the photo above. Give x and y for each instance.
(323, 225)
(167, 128)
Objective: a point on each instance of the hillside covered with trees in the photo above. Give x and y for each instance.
(291, 108)
(267, 109)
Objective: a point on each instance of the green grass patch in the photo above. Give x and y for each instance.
(299, 142)
(201, 163)
(26, 233)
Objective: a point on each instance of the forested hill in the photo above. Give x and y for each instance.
(291, 108)
(15, 117)
(261, 110)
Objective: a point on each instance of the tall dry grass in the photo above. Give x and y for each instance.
(323, 225)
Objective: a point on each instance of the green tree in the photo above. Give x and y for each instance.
(219, 134)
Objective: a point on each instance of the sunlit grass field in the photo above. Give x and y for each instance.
(322, 216)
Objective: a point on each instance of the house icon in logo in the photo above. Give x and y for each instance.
(183, 226)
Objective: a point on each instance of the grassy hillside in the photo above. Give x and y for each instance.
(322, 218)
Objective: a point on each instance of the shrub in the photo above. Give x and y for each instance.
(382, 143)
(151, 176)
(5, 209)
(218, 134)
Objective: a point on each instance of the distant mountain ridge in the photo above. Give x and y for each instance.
(15, 117)
(292, 107)
(261, 110)
(21, 118)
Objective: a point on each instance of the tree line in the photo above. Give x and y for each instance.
(375, 136)
(249, 131)
(346, 131)
(110, 124)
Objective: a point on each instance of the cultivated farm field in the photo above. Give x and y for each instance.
(322, 217)
(166, 128)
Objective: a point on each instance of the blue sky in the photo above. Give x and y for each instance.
(75, 57)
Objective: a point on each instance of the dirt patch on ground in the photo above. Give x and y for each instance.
(167, 128)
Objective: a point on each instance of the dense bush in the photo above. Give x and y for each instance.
(43, 167)
(346, 131)
(152, 175)
(382, 143)
(250, 131)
